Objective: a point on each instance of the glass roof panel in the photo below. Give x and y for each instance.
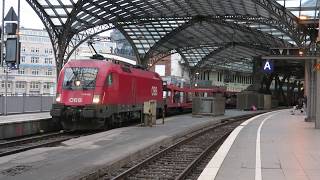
(303, 9)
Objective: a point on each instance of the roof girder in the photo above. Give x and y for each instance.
(193, 21)
(61, 35)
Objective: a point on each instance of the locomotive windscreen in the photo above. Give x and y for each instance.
(78, 78)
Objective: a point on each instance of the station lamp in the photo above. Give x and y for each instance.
(302, 17)
(301, 52)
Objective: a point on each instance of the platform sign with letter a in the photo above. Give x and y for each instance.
(267, 67)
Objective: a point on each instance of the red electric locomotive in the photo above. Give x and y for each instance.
(92, 94)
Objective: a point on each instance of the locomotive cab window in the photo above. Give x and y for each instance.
(109, 79)
(80, 78)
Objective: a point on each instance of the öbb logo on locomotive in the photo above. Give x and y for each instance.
(75, 100)
(154, 91)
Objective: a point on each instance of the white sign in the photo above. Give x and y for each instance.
(267, 66)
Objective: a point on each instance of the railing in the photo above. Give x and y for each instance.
(26, 104)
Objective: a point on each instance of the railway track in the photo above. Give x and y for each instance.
(185, 159)
(24, 144)
(8, 147)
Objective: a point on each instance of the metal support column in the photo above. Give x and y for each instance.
(2, 35)
(307, 89)
(316, 89)
(317, 98)
(257, 76)
(6, 91)
(313, 91)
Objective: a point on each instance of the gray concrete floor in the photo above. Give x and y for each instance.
(83, 155)
(290, 150)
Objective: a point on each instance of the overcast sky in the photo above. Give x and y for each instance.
(29, 18)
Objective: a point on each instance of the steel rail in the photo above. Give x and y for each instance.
(20, 145)
(23, 140)
(200, 132)
(202, 156)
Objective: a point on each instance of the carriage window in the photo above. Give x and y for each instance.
(109, 79)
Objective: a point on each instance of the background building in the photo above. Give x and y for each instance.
(234, 81)
(37, 71)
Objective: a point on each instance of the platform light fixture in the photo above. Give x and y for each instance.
(302, 17)
(300, 52)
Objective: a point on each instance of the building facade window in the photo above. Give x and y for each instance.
(34, 60)
(48, 51)
(49, 72)
(34, 85)
(23, 59)
(35, 72)
(21, 71)
(48, 60)
(3, 84)
(37, 50)
(32, 50)
(47, 85)
(20, 85)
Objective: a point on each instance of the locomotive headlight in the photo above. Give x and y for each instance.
(96, 99)
(58, 98)
(78, 83)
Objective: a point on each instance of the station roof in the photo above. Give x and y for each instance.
(206, 33)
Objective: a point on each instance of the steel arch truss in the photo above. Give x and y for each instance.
(209, 33)
(265, 26)
(157, 28)
(236, 56)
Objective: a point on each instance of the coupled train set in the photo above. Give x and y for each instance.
(95, 94)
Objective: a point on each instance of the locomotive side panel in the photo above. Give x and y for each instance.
(148, 87)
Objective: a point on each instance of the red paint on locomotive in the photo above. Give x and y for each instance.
(100, 90)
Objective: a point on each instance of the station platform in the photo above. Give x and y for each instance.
(79, 157)
(18, 118)
(25, 124)
(273, 146)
